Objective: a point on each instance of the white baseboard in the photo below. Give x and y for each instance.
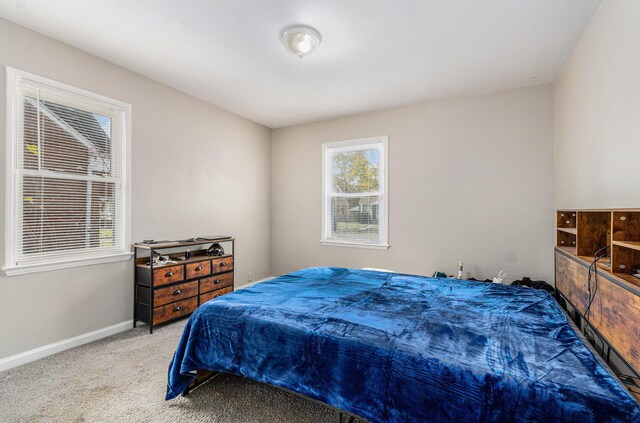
(255, 282)
(47, 350)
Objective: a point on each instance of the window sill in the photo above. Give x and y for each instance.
(353, 244)
(45, 267)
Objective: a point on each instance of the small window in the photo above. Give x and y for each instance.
(68, 179)
(355, 193)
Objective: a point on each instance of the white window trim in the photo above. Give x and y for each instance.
(384, 242)
(11, 269)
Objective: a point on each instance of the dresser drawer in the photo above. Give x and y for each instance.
(222, 264)
(214, 294)
(216, 282)
(174, 293)
(173, 310)
(167, 275)
(200, 268)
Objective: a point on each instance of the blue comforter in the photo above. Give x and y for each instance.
(400, 348)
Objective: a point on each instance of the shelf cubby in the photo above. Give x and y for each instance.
(582, 233)
(566, 239)
(624, 260)
(625, 230)
(593, 231)
(566, 219)
(566, 234)
(625, 226)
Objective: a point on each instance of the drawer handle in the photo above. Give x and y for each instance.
(178, 308)
(177, 292)
(217, 281)
(168, 274)
(222, 264)
(198, 268)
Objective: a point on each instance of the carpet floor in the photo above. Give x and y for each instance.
(123, 379)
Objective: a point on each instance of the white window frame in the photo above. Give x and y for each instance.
(327, 184)
(10, 268)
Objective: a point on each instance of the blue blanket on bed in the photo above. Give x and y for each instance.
(400, 348)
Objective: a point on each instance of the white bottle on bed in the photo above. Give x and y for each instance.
(460, 270)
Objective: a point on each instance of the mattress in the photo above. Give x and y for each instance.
(392, 347)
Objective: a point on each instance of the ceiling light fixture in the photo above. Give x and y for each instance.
(300, 40)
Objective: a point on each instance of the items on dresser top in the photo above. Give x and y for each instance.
(215, 250)
(171, 284)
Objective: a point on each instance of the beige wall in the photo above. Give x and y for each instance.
(598, 113)
(197, 170)
(469, 179)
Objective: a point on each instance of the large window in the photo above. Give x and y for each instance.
(355, 193)
(67, 176)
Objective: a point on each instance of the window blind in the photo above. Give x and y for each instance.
(354, 194)
(69, 194)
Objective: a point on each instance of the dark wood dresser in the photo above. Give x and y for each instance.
(167, 291)
(606, 242)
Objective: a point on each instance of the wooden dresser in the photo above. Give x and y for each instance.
(165, 292)
(614, 313)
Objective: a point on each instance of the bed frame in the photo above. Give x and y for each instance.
(204, 376)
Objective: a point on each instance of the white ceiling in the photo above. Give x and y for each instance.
(374, 53)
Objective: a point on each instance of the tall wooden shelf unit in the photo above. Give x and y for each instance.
(167, 292)
(615, 306)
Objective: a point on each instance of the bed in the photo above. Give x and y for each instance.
(392, 347)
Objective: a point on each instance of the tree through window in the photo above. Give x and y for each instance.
(355, 192)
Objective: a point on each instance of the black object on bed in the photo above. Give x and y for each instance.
(401, 348)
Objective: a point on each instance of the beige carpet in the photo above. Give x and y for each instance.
(123, 379)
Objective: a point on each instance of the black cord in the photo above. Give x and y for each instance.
(593, 269)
